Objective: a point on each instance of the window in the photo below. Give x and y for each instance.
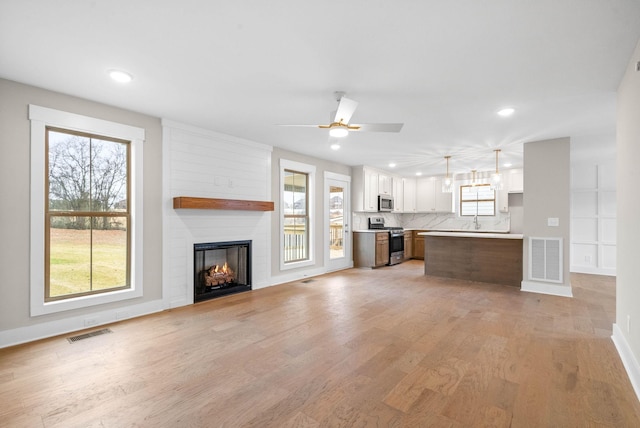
(295, 190)
(477, 200)
(87, 218)
(86, 211)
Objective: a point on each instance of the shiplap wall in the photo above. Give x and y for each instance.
(203, 163)
(593, 218)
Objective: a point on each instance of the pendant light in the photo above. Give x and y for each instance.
(496, 178)
(447, 183)
(474, 185)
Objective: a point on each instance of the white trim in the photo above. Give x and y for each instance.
(40, 118)
(311, 170)
(628, 359)
(543, 288)
(296, 276)
(593, 270)
(43, 330)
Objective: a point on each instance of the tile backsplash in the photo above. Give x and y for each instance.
(435, 221)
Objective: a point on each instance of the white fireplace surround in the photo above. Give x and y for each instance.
(203, 163)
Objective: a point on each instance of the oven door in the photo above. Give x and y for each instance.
(396, 247)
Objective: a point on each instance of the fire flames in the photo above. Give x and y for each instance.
(219, 275)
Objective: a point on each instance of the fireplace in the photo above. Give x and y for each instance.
(221, 268)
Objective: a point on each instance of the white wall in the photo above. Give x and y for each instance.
(626, 330)
(203, 163)
(593, 207)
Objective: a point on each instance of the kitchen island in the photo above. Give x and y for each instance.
(486, 257)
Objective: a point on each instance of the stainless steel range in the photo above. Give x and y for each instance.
(396, 239)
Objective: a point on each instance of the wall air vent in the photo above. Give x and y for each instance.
(545, 259)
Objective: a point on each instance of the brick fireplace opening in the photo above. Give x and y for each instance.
(221, 268)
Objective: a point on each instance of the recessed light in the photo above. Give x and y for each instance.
(335, 146)
(120, 76)
(507, 164)
(392, 165)
(418, 173)
(506, 112)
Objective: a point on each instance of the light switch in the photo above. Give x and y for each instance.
(553, 221)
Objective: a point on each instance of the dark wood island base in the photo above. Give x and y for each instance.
(495, 260)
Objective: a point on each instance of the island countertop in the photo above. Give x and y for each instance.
(474, 235)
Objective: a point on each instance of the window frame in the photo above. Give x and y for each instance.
(310, 170)
(49, 214)
(493, 200)
(42, 118)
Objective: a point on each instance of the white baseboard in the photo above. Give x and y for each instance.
(296, 276)
(544, 288)
(628, 359)
(593, 270)
(80, 322)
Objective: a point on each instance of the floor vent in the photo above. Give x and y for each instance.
(88, 335)
(545, 259)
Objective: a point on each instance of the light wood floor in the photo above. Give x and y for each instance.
(385, 348)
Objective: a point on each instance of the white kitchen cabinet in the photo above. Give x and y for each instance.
(408, 195)
(365, 184)
(512, 183)
(515, 181)
(398, 195)
(425, 195)
(430, 197)
(371, 190)
(385, 184)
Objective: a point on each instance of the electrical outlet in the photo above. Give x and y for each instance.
(587, 259)
(88, 322)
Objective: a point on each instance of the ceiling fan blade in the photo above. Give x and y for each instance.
(377, 127)
(346, 107)
(305, 126)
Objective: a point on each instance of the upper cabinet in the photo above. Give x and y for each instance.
(408, 195)
(385, 184)
(367, 184)
(513, 183)
(431, 198)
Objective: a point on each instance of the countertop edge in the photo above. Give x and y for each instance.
(474, 235)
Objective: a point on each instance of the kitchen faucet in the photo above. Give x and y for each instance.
(475, 221)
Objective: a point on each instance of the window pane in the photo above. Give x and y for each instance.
(69, 256)
(108, 175)
(109, 253)
(69, 172)
(295, 239)
(336, 222)
(486, 208)
(288, 194)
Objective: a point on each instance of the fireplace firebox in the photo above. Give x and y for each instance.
(221, 268)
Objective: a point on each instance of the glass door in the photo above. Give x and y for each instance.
(337, 220)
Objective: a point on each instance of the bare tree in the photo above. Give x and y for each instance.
(86, 174)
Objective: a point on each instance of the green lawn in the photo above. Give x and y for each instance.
(74, 269)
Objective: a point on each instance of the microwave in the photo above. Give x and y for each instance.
(385, 203)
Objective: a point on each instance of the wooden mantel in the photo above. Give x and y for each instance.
(187, 202)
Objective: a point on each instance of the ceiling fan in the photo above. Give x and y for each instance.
(340, 126)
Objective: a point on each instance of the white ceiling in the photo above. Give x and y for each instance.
(241, 67)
